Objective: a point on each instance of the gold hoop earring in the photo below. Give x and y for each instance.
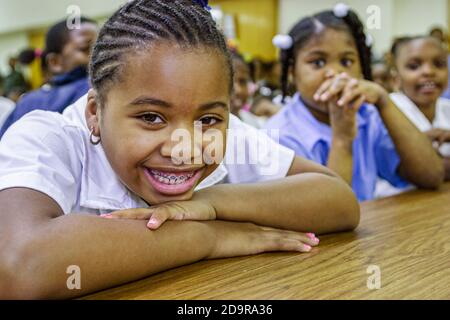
(91, 138)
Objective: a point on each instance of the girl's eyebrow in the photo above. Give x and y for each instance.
(323, 53)
(149, 100)
(161, 103)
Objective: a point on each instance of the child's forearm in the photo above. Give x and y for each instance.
(340, 159)
(420, 164)
(307, 202)
(447, 168)
(107, 252)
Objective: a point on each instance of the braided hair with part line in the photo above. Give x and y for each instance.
(313, 26)
(141, 23)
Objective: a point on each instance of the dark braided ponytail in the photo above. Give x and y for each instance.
(310, 27)
(140, 23)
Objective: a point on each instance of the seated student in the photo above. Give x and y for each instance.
(67, 56)
(240, 98)
(158, 71)
(340, 118)
(422, 76)
(6, 107)
(381, 73)
(14, 84)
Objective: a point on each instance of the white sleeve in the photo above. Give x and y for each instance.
(252, 156)
(39, 152)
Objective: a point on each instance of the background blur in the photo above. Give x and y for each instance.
(250, 23)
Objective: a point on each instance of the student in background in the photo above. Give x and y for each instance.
(158, 67)
(339, 117)
(67, 56)
(6, 107)
(14, 84)
(241, 99)
(422, 75)
(382, 74)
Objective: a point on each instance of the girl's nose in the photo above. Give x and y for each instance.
(428, 69)
(183, 145)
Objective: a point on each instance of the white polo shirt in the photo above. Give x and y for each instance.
(441, 119)
(51, 153)
(410, 109)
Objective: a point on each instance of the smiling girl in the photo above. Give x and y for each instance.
(422, 76)
(342, 119)
(157, 67)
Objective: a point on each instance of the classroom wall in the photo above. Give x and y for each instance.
(398, 17)
(10, 44)
(412, 16)
(38, 13)
(256, 25)
(21, 19)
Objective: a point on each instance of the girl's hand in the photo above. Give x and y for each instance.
(344, 96)
(240, 239)
(177, 210)
(440, 136)
(350, 92)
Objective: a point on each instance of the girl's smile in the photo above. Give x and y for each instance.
(173, 181)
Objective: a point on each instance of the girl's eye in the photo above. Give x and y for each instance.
(413, 66)
(440, 64)
(151, 118)
(347, 63)
(209, 121)
(319, 63)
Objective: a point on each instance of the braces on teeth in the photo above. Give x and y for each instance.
(171, 179)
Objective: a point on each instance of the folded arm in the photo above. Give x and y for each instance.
(311, 199)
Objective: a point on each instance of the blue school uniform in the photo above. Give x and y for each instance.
(62, 91)
(374, 153)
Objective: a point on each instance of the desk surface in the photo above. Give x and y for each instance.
(406, 237)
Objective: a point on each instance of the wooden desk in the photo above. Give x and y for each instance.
(407, 237)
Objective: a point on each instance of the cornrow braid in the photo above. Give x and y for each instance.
(140, 23)
(312, 26)
(365, 52)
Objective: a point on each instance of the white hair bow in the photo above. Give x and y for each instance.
(283, 42)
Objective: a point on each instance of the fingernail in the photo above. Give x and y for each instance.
(311, 235)
(316, 97)
(340, 103)
(307, 248)
(316, 240)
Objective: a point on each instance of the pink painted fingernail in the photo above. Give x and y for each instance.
(307, 248)
(311, 235)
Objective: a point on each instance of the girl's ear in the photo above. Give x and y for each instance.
(93, 112)
(54, 63)
(396, 80)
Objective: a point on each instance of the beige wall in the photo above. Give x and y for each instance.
(398, 17)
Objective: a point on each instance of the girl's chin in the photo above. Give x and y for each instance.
(157, 198)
